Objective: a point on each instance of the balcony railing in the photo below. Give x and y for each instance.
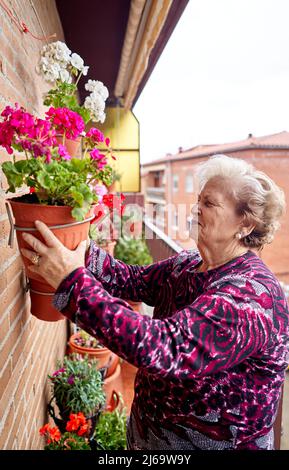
(160, 245)
(156, 194)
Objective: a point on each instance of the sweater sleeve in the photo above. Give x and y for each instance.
(216, 332)
(131, 282)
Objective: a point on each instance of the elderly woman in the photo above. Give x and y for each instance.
(211, 362)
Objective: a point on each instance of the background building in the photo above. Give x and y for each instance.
(168, 183)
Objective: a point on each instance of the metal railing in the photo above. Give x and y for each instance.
(157, 194)
(160, 245)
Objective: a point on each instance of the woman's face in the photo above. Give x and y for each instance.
(215, 214)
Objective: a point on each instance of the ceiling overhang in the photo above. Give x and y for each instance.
(120, 40)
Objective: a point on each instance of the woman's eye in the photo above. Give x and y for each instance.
(208, 204)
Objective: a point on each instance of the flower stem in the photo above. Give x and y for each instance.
(78, 78)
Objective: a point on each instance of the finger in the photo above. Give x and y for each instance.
(36, 244)
(82, 247)
(47, 234)
(27, 253)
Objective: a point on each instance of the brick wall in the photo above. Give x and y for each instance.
(28, 347)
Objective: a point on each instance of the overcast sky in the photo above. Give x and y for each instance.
(223, 74)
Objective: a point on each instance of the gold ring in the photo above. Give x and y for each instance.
(35, 259)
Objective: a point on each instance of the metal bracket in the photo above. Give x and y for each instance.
(10, 218)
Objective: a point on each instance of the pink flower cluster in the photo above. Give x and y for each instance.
(21, 129)
(99, 158)
(66, 122)
(95, 135)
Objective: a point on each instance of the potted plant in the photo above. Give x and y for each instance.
(73, 438)
(77, 387)
(133, 251)
(110, 432)
(62, 189)
(84, 344)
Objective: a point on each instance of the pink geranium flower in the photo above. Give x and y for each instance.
(66, 122)
(62, 150)
(100, 158)
(95, 135)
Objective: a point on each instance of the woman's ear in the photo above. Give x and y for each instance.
(246, 226)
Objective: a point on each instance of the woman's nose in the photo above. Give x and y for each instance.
(195, 209)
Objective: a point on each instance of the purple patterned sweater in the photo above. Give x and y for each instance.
(212, 359)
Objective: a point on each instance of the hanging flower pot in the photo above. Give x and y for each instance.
(69, 231)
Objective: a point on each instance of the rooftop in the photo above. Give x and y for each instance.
(279, 140)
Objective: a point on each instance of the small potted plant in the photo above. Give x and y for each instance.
(85, 345)
(77, 387)
(73, 438)
(133, 251)
(110, 432)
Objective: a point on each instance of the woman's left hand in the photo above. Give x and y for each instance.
(54, 260)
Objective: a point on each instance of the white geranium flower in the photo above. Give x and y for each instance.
(97, 101)
(95, 86)
(95, 106)
(102, 117)
(90, 85)
(51, 75)
(61, 53)
(65, 76)
(85, 70)
(76, 61)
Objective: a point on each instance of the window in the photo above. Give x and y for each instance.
(175, 183)
(189, 183)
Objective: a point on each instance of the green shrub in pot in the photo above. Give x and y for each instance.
(132, 251)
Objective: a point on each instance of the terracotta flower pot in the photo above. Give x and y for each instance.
(112, 384)
(71, 145)
(105, 357)
(64, 227)
(114, 402)
(137, 306)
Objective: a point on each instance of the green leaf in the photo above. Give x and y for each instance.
(79, 213)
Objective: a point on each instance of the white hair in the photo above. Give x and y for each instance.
(258, 199)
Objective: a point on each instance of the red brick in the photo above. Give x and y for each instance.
(31, 347)
(6, 375)
(7, 423)
(12, 434)
(4, 328)
(6, 298)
